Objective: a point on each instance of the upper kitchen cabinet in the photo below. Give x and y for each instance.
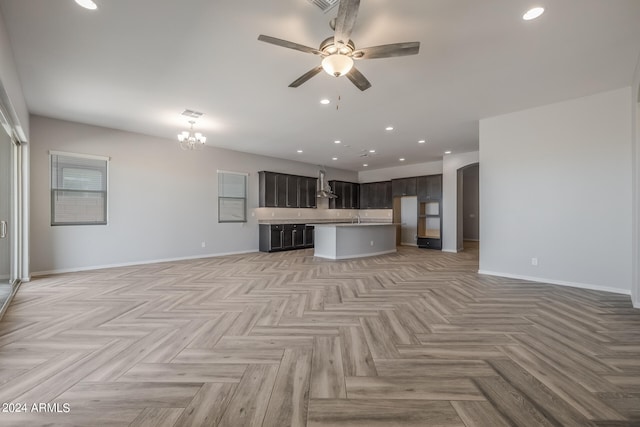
(348, 195)
(278, 190)
(403, 187)
(376, 195)
(307, 188)
(429, 187)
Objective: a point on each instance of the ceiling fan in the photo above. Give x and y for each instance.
(339, 51)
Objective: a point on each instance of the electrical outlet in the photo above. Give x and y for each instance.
(372, 243)
(204, 244)
(298, 213)
(273, 214)
(534, 262)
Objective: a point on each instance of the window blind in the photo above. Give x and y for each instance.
(78, 189)
(232, 197)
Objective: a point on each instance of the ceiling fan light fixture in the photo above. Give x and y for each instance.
(337, 65)
(533, 13)
(87, 4)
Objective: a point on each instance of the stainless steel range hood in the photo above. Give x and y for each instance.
(325, 189)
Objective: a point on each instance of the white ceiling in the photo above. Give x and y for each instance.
(136, 65)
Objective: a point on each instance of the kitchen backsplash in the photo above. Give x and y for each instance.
(270, 214)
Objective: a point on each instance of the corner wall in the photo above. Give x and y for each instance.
(450, 165)
(556, 185)
(635, 103)
(162, 201)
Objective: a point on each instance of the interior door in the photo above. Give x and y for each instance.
(409, 218)
(8, 151)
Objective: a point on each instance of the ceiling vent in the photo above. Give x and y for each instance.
(192, 114)
(325, 5)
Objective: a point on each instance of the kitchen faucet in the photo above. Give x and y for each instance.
(355, 218)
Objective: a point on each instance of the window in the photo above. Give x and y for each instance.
(232, 197)
(78, 189)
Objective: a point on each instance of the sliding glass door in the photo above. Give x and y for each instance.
(8, 242)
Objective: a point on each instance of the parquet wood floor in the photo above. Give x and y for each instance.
(415, 338)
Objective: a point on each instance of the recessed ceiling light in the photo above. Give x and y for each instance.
(447, 152)
(337, 142)
(422, 141)
(531, 13)
(372, 151)
(87, 4)
(325, 101)
(334, 158)
(365, 165)
(300, 151)
(401, 159)
(389, 128)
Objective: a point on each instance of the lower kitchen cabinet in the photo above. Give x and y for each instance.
(284, 237)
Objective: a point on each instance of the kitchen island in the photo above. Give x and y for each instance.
(345, 240)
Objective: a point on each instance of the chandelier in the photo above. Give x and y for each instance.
(190, 140)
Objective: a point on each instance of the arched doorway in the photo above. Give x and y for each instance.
(468, 206)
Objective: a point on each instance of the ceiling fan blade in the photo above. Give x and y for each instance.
(288, 44)
(306, 76)
(345, 21)
(387, 50)
(358, 79)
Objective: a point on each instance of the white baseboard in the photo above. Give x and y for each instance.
(129, 264)
(415, 245)
(557, 282)
(391, 251)
(451, 251)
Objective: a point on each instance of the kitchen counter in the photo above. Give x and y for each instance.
(308, 221)
(346, 240)
(354, 224)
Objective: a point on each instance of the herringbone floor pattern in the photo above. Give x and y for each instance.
(411, 339)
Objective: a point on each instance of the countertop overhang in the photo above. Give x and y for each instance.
(321, 222)
(355, 224)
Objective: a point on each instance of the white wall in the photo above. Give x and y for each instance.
(11, 83)
(450, 165)
(405, 171)
(162, 201)
(555, 184)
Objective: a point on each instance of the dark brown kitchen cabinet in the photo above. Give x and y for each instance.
(307, 192)
(308, 236)
(429, 211)
(284, 237)
(429, 187)
(293, 190)
(376, 195)
(348, 195)
(279, 190)
(403, 187)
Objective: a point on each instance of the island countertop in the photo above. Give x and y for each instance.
(354, 224)
(310, 221)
